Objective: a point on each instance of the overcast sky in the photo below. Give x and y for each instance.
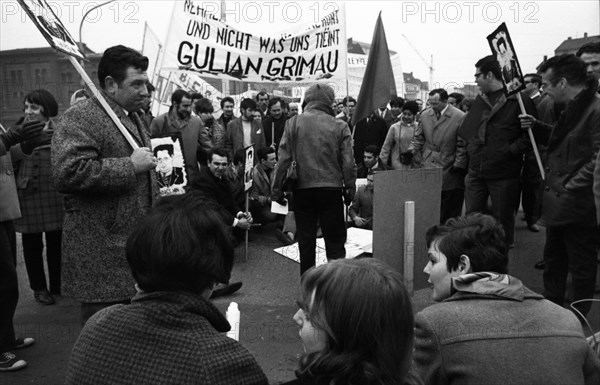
(454, 32)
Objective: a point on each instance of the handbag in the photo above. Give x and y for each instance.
(291, 174)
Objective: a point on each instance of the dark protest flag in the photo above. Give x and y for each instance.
(502, 47)
(378, 84)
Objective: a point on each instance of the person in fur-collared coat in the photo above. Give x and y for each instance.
(109, 186)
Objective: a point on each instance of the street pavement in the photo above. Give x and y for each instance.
(266, 302)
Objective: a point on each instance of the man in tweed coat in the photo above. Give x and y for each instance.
(109, 185)
(170, 333)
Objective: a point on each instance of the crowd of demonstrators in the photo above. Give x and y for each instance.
(195, 141)
(107, 188)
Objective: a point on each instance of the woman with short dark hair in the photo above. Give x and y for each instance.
(41, 204)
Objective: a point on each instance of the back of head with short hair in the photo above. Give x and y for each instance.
(489, 64)
(182, 245)
(364, 309)
(566, 66)
(116, 60)
(478, 236)
(203, 106)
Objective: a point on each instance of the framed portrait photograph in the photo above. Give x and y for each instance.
(502, 47)
(170, 170)
(249, 167)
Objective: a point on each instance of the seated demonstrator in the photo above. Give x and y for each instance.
(171, 332)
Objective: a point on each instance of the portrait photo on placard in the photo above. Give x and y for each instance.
(248, 168)
(503, 49)
(170, 170)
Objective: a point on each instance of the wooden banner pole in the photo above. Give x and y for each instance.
(532, 139)
(103, 102)
(247, 230)
(409, 246)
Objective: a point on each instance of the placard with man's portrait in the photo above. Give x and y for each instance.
(170, 169)
(502, 47)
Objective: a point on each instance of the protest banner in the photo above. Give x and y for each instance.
(201, 42)
(512, 76)
(60, 39)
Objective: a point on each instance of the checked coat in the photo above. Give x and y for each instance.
(161, 338)
(41, 205)
(105, 199)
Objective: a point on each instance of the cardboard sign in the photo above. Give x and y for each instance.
(51, 27)
(502, 47)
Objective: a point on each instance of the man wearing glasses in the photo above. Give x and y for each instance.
(495, 147)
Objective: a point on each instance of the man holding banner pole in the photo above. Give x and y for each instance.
(109, 186)
(495, 147)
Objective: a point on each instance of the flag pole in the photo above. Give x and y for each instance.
(346, 64)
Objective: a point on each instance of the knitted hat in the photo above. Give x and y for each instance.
(319, 93)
